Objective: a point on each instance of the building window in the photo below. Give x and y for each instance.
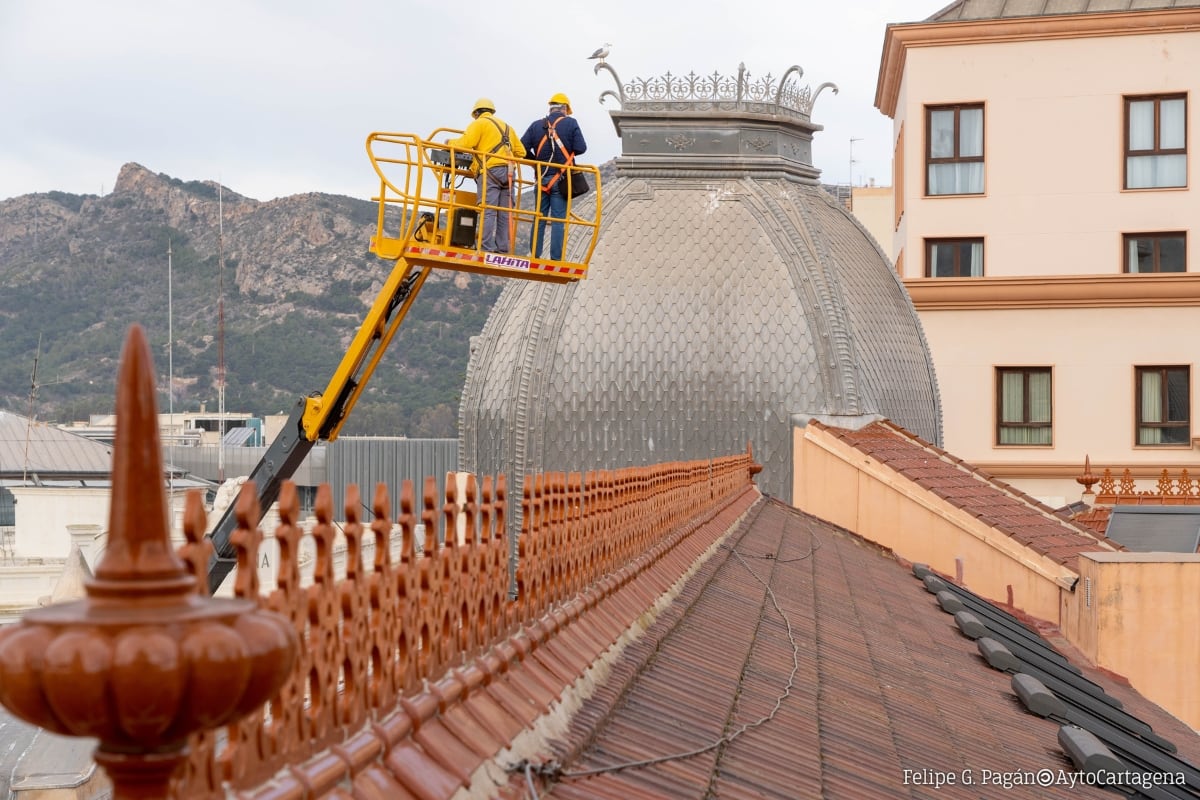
(1156, 252)
(8, 509)
(1155, 142)
(1023, 406)
(954, 151)
(1164, 405)
(953, 258)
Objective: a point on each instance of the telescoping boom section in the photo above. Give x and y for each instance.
(431, 215)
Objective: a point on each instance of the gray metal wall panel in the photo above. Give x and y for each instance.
(203, 462)
(367, 460)
(364, 461)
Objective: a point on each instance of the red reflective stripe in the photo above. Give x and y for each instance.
(540, 267)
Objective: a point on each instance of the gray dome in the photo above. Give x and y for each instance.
(727, 294)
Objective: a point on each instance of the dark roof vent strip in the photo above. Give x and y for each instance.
(997, 655)
(970, 625)
(1003, 623)
(1037, 698)
(949, 603)
(1050, 686)
(1087, 752)
(934, 584)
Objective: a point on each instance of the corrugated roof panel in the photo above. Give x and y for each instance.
(45, 449)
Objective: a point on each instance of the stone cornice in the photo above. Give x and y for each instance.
(1057, 291)
(899, 38)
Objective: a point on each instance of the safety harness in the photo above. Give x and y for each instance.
(504, 140)
(506, 143)
(552, 135)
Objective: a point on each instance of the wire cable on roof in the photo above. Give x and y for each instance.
(816, 545)
(529, 781)
(554, 772)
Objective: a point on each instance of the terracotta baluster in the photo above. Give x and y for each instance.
(408, 590)
(385, 606)
(144, 660)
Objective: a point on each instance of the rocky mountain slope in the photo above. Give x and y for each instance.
(77, 270)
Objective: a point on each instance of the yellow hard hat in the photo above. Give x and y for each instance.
(483, 104)
(560, 99)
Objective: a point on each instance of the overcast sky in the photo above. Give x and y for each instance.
(276, 97)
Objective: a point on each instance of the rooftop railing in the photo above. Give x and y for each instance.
(172, 682)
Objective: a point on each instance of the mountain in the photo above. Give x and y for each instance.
(77, 270)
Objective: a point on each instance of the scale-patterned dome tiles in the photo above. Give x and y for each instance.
(713, 311)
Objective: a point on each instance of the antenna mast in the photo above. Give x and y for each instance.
(170, 340)
(33, 387)
(220, 331)
(850, 175)
(171, 379)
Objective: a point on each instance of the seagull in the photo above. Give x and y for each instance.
(601, 52)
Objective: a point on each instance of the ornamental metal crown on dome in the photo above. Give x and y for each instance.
(717, 92)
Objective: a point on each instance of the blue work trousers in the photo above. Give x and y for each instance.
(553, 204)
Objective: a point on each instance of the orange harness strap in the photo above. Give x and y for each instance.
(552, 133)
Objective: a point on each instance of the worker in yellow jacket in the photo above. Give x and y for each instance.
(494, 140)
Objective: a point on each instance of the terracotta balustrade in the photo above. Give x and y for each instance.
(1182, 489)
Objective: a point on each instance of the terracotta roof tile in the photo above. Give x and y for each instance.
(1095, 518)
(994, 502)
(883, 682)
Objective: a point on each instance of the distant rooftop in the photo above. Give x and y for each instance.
(995, 503)
(965, 10)
(36, 447)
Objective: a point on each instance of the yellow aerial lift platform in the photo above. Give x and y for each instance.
(426, 220)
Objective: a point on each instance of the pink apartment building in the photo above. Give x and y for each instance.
(1042, 219)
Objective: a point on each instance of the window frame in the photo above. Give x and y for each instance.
(1026, 424)
(1156, 237)
(930, 160)
(1164, 409)
(930, 244)
(1158, 150)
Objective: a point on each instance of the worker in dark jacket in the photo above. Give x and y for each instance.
(554, 139)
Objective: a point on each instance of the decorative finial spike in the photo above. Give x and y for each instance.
(139, 546)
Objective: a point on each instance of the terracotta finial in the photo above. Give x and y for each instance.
(1087, 479)
(144, 660)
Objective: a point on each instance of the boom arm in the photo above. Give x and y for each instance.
(314, 418)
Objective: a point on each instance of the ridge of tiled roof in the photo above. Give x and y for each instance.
(863, 685)
(994, 502)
